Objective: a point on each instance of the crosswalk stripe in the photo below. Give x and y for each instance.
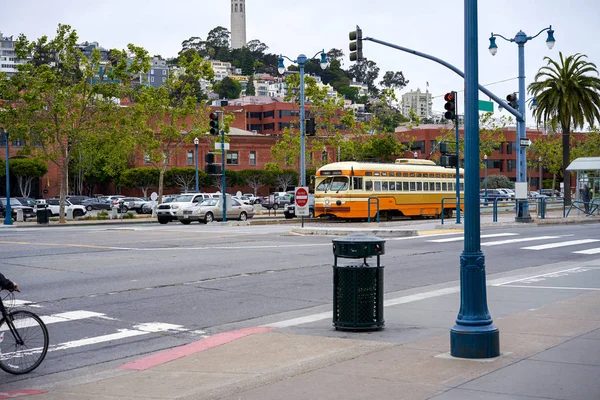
(588, 251)
(508, 241)
(561, 244)
(458, 238)
(62, 317)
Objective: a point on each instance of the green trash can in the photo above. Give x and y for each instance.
(358, 287)
(42, 214)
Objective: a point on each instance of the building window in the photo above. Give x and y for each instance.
(151, 79)
(151, 72)
(190, 157)
(164, 80)
(509, 148)
(269, 114)
(146, 158)
(509, 165)
(18, 142)
(252, 158)
(232, 158)
(254, 115)
(164, 71)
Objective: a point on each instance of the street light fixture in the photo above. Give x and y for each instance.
(485, 201)
(196, 141)
(301, 61)
(522, 208)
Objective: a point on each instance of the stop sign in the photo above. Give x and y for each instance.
(301, 197)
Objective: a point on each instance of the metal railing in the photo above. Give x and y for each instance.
(449, 198)
(588, 208)
(369, 208)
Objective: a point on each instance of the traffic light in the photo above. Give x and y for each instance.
(311, 128)
(447, 158)
(512, 100)
(211, 168)
(214, 123)
(356, 46)
(450, 105)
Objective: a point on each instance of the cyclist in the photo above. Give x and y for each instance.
(7, 284)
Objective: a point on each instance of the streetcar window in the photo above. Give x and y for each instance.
(425, 186)
(405, 174)
(431, 186)
(443, 175)
(437, 175)
(405, 186)
(392, 186)
(412, 186)
(419, 186)
(369, 185)
(425, 175)
(339, 183)
(399, 186)
(324, 185)
(357, 183)
(377, 186)
(391, 174)
(418, 175)
(376, 173)
(462, 186)
(450, 186)
(437, 186)
(384, 185)
(384, 174)
(368, 174)
(412, 174)
(444, 186)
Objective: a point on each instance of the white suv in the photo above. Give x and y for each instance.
(167, 212)
(53, 207)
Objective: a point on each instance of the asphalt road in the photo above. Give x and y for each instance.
(111, 293)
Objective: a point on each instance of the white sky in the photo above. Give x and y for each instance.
(431, 26)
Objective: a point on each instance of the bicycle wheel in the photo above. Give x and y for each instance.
(21, 358)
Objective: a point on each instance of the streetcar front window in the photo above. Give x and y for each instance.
(324, 185)
(334, 183)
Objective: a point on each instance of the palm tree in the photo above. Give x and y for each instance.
(568, 95)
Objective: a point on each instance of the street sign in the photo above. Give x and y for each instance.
(524, 142)
(301, 199)
(218, 146)
(486, 106)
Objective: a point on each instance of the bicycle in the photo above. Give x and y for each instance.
(23, 339)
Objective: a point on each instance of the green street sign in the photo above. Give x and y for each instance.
(486, 106)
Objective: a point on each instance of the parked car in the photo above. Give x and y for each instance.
(168, 211)
(289, 211)
(77, 200)
(492, 194)
(53, 207)
(212, 209)
(277, 201)
(508, 192)
(550, 192)
(28, 212)
(26, 201)
(96, 204)
(131, 203)
(243, 199)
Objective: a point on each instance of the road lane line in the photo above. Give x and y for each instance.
(508, 241)
(561, 244)
(551, 287)
(539, 276)
(456, 239)
(588, 251)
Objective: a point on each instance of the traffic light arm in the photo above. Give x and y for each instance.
(497, 99)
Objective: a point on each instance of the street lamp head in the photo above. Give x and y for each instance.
(550, 41)
(280, 66)
(416, 155)
(485, 157)
(493, 47)
(196, 141)
(323, 62)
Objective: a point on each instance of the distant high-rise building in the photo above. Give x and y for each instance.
(238, 24)
(419, 102)
(8, 56)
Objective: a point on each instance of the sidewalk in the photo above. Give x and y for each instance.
(549, 342)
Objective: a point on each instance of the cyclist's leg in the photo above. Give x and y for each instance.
(24, 348)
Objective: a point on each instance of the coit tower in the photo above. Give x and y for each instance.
(238, 24)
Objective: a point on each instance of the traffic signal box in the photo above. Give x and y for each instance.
(310, 127)
(450, 105)
(214, 123)
(447, 158)
(356, 46)
(513, 101)
(211, 168)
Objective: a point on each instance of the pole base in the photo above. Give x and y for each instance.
(475, 342)
(523, 219)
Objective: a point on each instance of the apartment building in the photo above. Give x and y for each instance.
(158, 73)
(8, 56)
(419, 102)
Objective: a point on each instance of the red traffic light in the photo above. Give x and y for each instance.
(449, 97)
(212, 116)
(214, 123)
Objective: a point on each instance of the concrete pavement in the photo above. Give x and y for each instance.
(549, 340)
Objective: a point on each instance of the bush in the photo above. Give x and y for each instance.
(102, 215)
(128, 216)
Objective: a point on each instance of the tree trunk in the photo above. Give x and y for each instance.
(566, 135)
(161, 180)
(64, 190)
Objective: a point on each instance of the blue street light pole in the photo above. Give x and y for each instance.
(474, 334)
(485, 202)
(520, 39)
(7, 210)
(196, 141)
(301, 61)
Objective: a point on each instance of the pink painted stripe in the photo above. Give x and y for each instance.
(195, 347)
(11, 394)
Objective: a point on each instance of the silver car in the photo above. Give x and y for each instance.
(212, 209)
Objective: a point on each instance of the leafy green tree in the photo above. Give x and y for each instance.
(247, 62)
(2, 168)
(228, 88)
(250, 89)
(257, 48)
(499, 182)
(366, 71)
(142, 178)
(165, 118)
(394, 80)
(63, 98)
(254, 178)
(182, 177)
(568, 93)
(26, 170)
(549, 148)
(217, 40)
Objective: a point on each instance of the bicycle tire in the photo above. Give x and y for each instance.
(20, 359)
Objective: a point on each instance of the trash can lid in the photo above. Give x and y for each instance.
(358, 245)
(358, 238)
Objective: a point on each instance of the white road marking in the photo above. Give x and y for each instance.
(508, 241)
(456, 239)
(561, 244)
(537, 278)
(551, 287)
(588, 251)
(63, 317)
